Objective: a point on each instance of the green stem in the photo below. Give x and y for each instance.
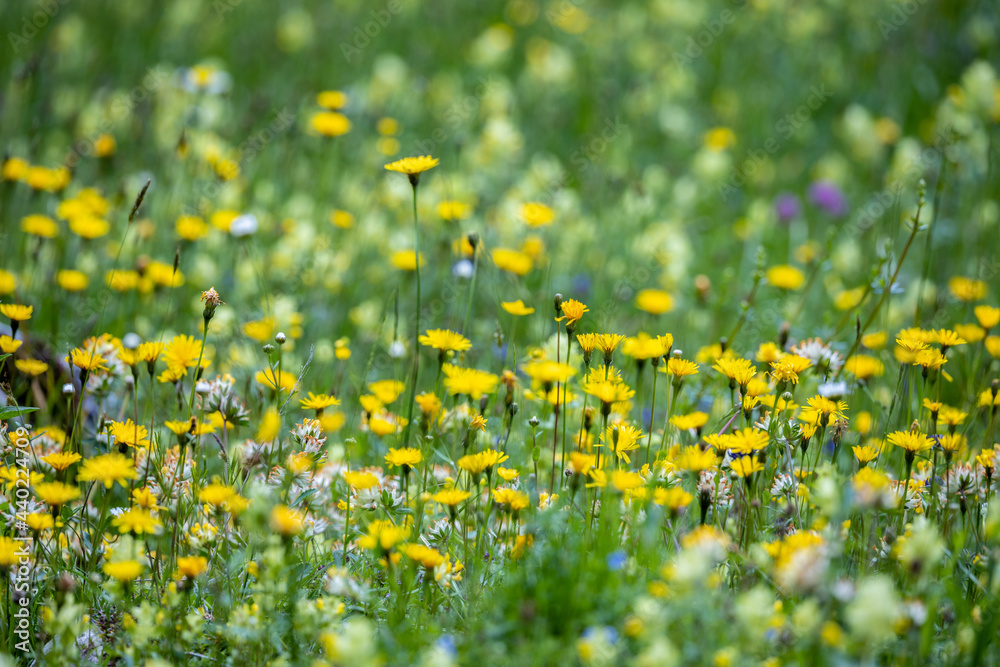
(416, 324)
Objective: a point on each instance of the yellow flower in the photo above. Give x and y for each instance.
(332, 99)
(848, 299)
(191, 567)
(785, 277)
(910, 441)
(746, 466)
(511, 499)
(8, 283)
(608, 392)
(216, 494)
(719, 139)
(41, 226)
(444, 340)
(952, 443)
(548, 372)
(654, 301)
(429, 404)
(514, 261)
(988, 316)
(625, 480)
(386, 391)
(673, 498)
(223, 219)
(971, 333)
(695, 459)
(680, 368)
(104, 145)
(145, 498)
(695, 420)
(516, 308)
(56, 493)
(406, 260)
(107, 469)
(89, 227)
(72, 281)
(768, 352)
(383, 536)
(9, 345)
(182, 352)
(14, 169)
(450, 497)
(191, 228)
(16, 312)
(536, 214)
(875, 340)
(469, 381)
(286, 521)
(453, 210)
(967, 289)
(947, 338)
(138, 521)
(865, 454)
(572, 310)
(403, 457)
(318, 401)
(330, 123)
(622, 439)
(360, 480)
(130, 434)
(61, 460)
(739, 371)
(124, 571)
(427, 557)
(787, 368)
(864, 366)
(413, 166)
(341, 219)
(272, 379)
(31, 367)
(38, 522)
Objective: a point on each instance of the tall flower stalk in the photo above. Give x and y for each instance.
(413, 167)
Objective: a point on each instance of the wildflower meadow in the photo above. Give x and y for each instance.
(513, 332)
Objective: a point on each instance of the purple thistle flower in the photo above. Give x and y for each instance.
(828, 196)
(787, 206)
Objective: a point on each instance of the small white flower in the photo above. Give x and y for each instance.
(833, 390)
(463, 269)
(131, 340)
(397, 350)
(243, 225)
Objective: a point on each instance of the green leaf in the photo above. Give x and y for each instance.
(9, 412)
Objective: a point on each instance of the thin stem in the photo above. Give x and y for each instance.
(416, 325)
